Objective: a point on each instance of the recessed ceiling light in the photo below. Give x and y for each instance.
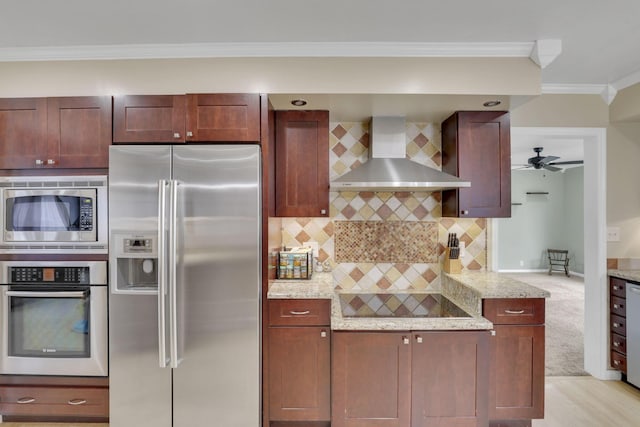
(492, 103)
(299, 102)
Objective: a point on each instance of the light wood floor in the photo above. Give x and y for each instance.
(569, 402)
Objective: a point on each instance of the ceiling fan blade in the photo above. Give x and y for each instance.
(568, 162)
(551, 168)
(548, 159)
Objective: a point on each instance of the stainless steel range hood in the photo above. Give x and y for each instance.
(388, 169)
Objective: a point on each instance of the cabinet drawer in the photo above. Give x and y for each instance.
(619, 361)
(618, 306)
(617, 287)
(514, 311)
(619, 325)
(54, 401)
(310, 312)
(619, 343)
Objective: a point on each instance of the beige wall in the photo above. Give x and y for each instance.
(560, 111)
(626, 105)
(506, 76)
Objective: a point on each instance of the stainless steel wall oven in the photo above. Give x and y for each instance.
(54, 214)
(54, 318)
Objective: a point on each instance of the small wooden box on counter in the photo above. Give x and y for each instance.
(451, 265)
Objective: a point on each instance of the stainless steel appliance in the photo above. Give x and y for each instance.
(633, 334)
(54, 318)
(54, 214)
(185, 289)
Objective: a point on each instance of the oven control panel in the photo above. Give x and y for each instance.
(64, 275)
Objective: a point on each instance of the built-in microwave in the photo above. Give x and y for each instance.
(54, 214)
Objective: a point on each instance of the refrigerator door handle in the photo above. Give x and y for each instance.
(162, 275)
(173, 306)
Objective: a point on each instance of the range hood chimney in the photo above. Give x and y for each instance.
(388, 169)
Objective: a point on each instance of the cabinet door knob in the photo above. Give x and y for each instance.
(39, 162)
(616, 288)
(323, 211)
(616, 344)
(24, 400)
(419, 339)
(176, 135)
(189, 134)
(464, 212)
(616, 325)
(405, 340)
(616, 362)
(51, 162)
(323, 334)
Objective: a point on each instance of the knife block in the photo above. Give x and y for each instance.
(452, 266)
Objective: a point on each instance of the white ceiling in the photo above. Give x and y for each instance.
(600, 40)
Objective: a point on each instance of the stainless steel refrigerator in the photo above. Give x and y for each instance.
(184, 303)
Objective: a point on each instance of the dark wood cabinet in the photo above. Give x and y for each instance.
(449, 379)
(401, 378)
(216, 117)
(79, 131)
(476, 147)
(23, 132)
(618, 324)
(299, 360)
(149, 119)
(69, 399)
(69, 132)
(302, 164)
(517, 358)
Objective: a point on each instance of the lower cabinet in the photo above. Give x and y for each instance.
(57, 399)
(299, 361)
(517, 358)
(418, 379)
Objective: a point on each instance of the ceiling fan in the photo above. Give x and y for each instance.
(548, 162)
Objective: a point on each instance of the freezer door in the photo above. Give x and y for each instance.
(139, 390)
(218, 286)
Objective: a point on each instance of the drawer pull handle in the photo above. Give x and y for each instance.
(616, 288)
(616, 325)
(300, 313)
(616, 344)
(77, 402)
(514, 311)
(24, 400)
(616, 362)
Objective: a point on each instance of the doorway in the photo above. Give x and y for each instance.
(595, 272)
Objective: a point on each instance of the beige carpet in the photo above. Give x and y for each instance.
(564, 347)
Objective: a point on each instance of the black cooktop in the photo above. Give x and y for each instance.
(399, 305)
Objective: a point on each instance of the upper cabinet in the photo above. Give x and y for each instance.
(186, 118)
(68, 132)
(302, 163)
(476, 147)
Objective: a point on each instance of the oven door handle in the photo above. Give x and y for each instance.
(37, 294)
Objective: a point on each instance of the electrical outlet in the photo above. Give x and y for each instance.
(613, 234)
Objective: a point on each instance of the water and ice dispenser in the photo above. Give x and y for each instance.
(135, 270)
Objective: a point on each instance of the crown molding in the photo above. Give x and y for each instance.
(607, 92)
(627, 81)
(544, 52)
(288, 49)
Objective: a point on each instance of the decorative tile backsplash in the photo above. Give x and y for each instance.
(386, 241)
(348, 149)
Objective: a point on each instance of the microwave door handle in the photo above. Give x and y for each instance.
(162, 276)
(38, 294)
(173, 308)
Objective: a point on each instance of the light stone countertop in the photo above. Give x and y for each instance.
(320, 286)
(469, 288)
(633, 275)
